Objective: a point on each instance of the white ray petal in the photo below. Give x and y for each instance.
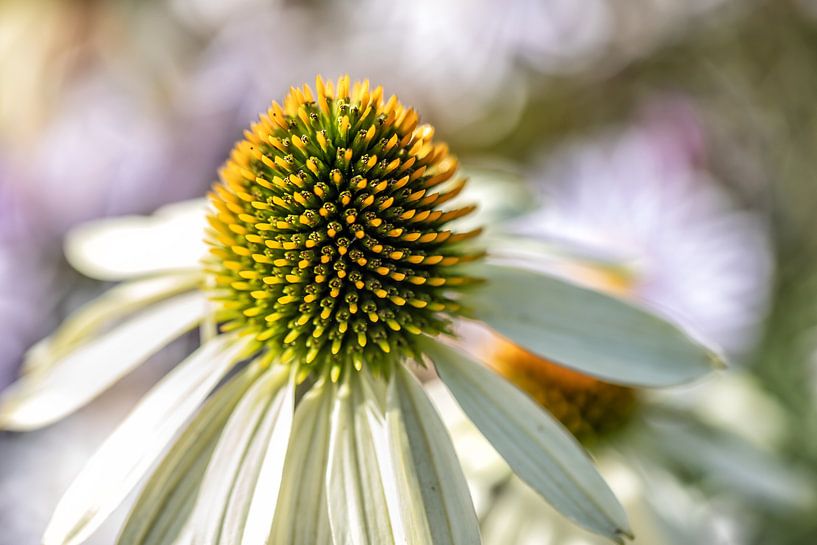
(260, 493)
(589, 331)
(433, 494)
(41, 398)
(303, 491)
(131, 246)
(726, 460)
(538, 449)
(113, 305)
(236, 447)
(358, 510)
(166, 501)
(124, 458)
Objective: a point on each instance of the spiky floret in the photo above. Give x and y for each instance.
(591, 409)
(328, 239)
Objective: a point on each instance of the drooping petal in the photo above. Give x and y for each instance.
(538, 449)
(165, 503)
(131, 246)
(39, 399)
(435, 503)
(480, 462)
(303, 488)
(242, 442)
(358, 509)
(113, 305)
(126, 455)
(591, 332)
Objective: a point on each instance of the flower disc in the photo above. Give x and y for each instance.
(328, 239)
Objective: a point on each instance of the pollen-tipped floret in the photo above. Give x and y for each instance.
(329, 240)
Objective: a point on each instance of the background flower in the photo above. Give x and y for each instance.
(28, 283)
(644, 199)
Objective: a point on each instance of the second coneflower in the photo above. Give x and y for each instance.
(334, 266)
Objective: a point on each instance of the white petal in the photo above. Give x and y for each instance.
(435, 503)
(126, 455)
(129, 246)
(538, 449)
(113, 305)
(39, 399)
(727, 461)
(483, 467)
(594, 333)
(236, 447)
(358, 511)
(166, 501)
(725, 401)
(260, 492)
(303, 491)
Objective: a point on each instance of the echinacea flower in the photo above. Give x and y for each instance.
(329, 272)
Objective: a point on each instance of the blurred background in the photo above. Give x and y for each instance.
(678, 136)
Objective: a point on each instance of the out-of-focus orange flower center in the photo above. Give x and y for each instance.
(589, 408)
